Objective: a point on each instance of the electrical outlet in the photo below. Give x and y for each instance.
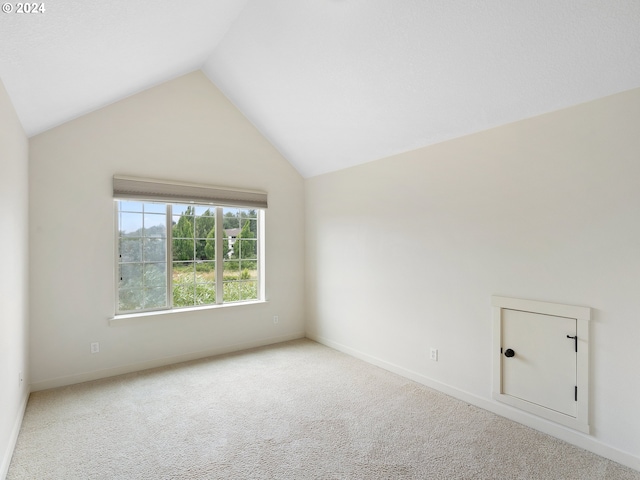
(275, 319)
(433, 354)
(95, 347)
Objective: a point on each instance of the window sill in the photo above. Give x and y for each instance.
(129, 318)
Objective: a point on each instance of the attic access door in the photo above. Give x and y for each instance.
(541, 359)
(542, 369)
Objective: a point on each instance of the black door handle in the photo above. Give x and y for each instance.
(575, 339)
(509, 353)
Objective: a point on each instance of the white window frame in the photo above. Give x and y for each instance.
(169, 193)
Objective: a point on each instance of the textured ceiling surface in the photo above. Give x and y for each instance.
(331, 83)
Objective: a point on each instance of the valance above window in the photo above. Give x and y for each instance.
(179, 192)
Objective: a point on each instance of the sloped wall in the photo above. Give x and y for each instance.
(404, 253)
(183, 130)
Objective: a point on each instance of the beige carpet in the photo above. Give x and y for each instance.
(297, 410)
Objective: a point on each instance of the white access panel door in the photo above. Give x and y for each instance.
(535, 365)
(542, 369)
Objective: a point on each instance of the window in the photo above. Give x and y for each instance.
(173, 255)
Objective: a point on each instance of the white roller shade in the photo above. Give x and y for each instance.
(168, 191)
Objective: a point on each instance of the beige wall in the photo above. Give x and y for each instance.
(183, 130)
(13, 281)
(404, 254)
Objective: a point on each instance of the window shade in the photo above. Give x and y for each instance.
(167, 191)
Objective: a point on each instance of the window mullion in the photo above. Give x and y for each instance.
(193, 256)
(118, 257)
(261, 254)
(169, 257)
(219, 255)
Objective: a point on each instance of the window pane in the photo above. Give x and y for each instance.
(206, 249)
(205, 294)
(155, 249)
(183, 249)
(130, 224)
(126, 206)
(183, 295)
(204, 210)
(238, 291)
(248, 270)
(250, 213)
(155, 275)
(155, 208)
(205, 226)
(182, 226)
(231, 268)
(229, 292)
(250, 290)
(130, 299)
(250, 225)
(230, 216)
(246, 248)
(131, 275)
(180, 208)
(155, 225)
(206, 271)
(130, 250)
(155, 297)
(183, 273)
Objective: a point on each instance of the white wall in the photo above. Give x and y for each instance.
(404, 253)
(182, 130)
(14, 280)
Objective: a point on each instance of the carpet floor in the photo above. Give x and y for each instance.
(296, 410)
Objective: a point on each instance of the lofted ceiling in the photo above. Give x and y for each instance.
(331, 83)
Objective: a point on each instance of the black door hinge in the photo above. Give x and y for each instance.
(575, 394)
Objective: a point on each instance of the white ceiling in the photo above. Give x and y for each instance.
(80, 55)
(331, 83)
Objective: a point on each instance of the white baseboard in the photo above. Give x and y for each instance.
(159, 362)
(563, 433)
(8, 453)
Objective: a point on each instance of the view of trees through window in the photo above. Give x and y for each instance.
(145, 270)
